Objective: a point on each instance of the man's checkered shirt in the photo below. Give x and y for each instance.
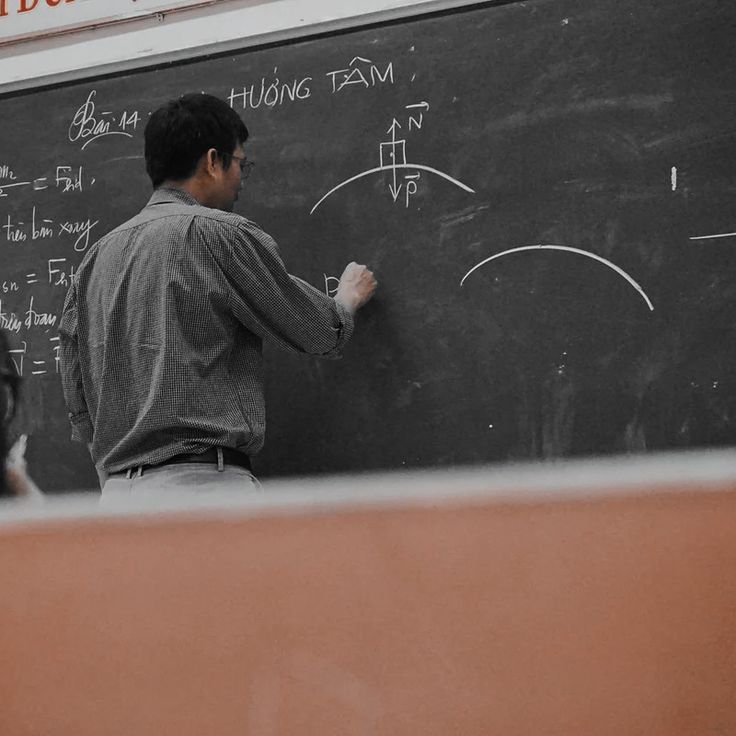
(162, 330)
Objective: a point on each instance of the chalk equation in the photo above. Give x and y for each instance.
(90, 124)
(39, 362)
(66, 178)
(30, 322)
(31, 325)
(405, 175)
(565, 249)
(58, 272)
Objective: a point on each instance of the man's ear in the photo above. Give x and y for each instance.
(209, 159)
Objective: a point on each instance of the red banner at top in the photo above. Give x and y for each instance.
(27, 19)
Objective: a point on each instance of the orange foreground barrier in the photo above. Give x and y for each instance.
(537, 602)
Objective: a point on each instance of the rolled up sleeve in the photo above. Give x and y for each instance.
(280, 307)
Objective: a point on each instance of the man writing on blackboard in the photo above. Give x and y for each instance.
(163, 324)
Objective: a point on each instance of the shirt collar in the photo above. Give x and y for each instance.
(164, 195)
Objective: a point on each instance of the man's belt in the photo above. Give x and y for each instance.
(229, 457)
(209, 457)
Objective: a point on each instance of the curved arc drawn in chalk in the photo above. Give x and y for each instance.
(586, 253)
(712, 237)
(102, 135)
(391, 168)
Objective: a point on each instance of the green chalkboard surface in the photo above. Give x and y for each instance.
(544, 189)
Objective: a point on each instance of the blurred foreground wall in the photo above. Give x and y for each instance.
(429, 605)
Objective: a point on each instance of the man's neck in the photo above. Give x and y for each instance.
(189, 186)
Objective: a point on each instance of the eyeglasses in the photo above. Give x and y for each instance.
(245, 166)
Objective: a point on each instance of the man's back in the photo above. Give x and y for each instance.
(161, 333)
(170, 309)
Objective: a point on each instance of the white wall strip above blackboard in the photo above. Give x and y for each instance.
(51, 41)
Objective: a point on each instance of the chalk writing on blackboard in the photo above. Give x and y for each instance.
(29, 301)
(274, 90)
(40, 228)
(31, 318)
(392, 158)
(568, 249)
(5, 187)
(66, 179)
(359, 73)
(48, 347)
(9, 320)
(89, 124)
(331, 284)
(59, 273)
(23, 366)
(271, 92)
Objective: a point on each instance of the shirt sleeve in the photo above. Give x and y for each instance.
(275, 305)
(71, 372)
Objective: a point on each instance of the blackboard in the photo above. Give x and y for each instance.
(537, 185)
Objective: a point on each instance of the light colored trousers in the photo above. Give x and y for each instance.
(180, 477)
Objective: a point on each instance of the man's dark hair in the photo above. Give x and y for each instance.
(9, 385)
(178, 133)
